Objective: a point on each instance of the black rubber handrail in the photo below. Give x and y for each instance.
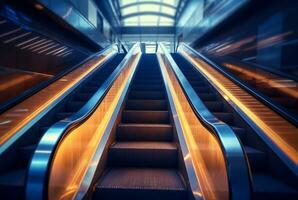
(288, 116)
(40, 164)
(238, 173)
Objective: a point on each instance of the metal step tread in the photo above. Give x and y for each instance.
(142, 178)
(144, 132)
(263, 183)
(145, 145)
(13, 178)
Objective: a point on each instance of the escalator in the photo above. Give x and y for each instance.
(129, 144)
(143, 161)
(271, 179)
(280, 89)
(15, 162)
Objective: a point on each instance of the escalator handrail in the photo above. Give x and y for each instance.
(25, 128)
(38, 171)
(288, 116)
(238, 172)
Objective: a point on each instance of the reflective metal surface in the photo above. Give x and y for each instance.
(13, 82)
(67, 156)
(200, 17)
(277, 132)
(219, 162)
(83, 16)
(279, 90)
(21, 117)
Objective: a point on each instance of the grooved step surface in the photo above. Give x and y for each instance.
(144, 132)
(141, 183)
(141, 116)
(143, 161)
(147, 87)
(257, 158)
(267, 187)
(146, 105)
(12, 184)
(143, 154)
(146, 95)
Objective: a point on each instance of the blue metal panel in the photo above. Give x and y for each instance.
(78, 15)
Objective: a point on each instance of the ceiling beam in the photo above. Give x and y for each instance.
(148, 2)
(148, 13)
(148, 30)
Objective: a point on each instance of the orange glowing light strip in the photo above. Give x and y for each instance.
(21, 114)
(14, 82)
(75, 152)
(195, 134)
(277, 129)
(272, 81)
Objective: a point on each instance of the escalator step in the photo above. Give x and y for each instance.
(143, 154)
(12, 184)
(214, 106)
(149, 76)
(267, 187)
(94, 83)
(146, 95)
(150, 87)
(257, 159)
(141, 183)
(137, 116)
(63, 115)
(199, 84)
(241, 133)
(207, 96)
(225, 117)
(83, 96)
(202, 89)
(148, 81)
(196, 79)
(144, 132)
(101, 76)
(89, 89)
(26, 153)
(146, 105)
(74, 106)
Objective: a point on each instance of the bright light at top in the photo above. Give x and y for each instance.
(148, 12)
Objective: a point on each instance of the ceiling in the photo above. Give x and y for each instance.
(148, 12)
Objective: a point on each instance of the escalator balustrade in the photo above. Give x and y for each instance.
(12, 175)
(268, 179)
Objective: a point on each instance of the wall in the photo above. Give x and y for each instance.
(200, 16)
(85, 17)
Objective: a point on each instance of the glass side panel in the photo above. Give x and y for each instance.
(278, 130)
(14, 119)
(14, 82)
(205, 152)
(280, 90)
(261, 53)
(74, 155)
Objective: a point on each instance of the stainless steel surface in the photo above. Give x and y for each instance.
(271, 131)
(41, 164)
(236, 161)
